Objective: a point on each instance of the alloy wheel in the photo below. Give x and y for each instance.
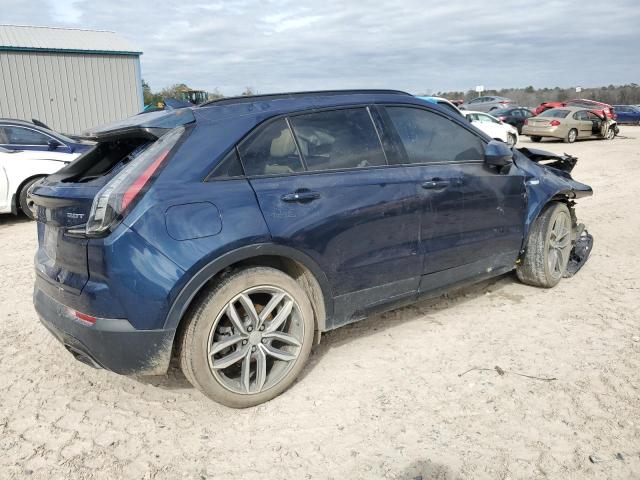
(255, 340)
(559, 245)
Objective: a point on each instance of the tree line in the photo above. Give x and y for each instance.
(529, 96)
(175, 90)
(532, 97)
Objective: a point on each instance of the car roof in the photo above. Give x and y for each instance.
(475, 111)
(298, 95)
(16, 121)
(264, 106)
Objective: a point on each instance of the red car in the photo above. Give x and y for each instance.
(598, 108)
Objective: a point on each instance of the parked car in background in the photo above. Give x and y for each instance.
(569, 124)
(23, 135)
(547, 106)
(598, 108)
(444, 102)
(493, 127)
(514, 116)
(232, 235)
(20, 169)
(486, 104)
(627, 114)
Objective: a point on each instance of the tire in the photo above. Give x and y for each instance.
(22, 197)
(541, 267)
(511, 140)
(571, 137)
(210, 327)
(611, 134)
(536, 139)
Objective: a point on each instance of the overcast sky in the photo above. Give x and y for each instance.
(413, 45)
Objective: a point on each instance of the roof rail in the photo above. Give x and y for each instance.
(277, 96)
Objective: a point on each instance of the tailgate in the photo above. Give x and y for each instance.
(62, 258)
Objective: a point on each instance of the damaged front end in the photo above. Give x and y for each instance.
(548, 178)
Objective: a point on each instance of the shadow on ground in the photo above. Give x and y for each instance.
(175, 380)
(427, 470)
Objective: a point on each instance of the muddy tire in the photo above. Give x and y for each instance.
(571, 137)
(248, 337)
(548, 247)
(23, 201)
(536, 139)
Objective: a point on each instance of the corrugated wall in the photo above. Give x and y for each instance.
(69, 92)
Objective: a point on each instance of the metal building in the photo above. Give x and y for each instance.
(70, 79)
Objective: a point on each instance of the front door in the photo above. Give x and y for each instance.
(328, 192)
(473, 215)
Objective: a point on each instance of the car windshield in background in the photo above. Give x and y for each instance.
(555, 113)
(501, 111)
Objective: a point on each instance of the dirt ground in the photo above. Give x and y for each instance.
(380, 399)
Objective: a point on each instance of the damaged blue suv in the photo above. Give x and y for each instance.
(231, 235)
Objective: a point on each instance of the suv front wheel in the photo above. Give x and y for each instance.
(248, 337)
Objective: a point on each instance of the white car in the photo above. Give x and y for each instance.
(19, 169)
(493, 127)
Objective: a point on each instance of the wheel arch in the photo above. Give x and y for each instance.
(563, 196)
(15, 200)
(289, 260)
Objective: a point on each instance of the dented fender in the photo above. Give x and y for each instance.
(547, 182)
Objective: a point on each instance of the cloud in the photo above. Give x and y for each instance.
(419, 46)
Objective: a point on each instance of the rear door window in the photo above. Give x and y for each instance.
(428, 137)
(25, 136)
(338, 139)
(270, 150)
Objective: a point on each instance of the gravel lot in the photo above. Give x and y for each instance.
(379, 399)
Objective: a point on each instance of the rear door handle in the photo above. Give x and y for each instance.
(304, 196)
(436, 184)
(441, 183)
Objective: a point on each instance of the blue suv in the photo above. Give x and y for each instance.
(231, 235)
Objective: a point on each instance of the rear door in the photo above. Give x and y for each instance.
(325, 189)
(473, 215)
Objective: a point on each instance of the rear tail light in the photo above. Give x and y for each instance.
(118, 196)
(554, 123)
(502, 119)
(526, 122)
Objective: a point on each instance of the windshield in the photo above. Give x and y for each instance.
(555, 113)
(501, 111)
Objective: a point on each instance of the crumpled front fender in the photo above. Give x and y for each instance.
(545, 183)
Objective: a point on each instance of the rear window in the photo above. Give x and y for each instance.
(500, 111)
(338, 139)
(555, 113)
(270, 150)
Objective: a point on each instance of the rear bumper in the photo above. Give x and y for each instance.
(113, 344)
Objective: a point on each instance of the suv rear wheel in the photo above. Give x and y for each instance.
(248, 337)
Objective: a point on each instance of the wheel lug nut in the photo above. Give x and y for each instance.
(264, 340)
(262, 328)
(249, 329)
(244, 342)
(253, 349)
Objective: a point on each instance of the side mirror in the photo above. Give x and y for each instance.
(53, 144)
(498, 154)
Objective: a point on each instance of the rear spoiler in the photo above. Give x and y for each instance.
(151, 125)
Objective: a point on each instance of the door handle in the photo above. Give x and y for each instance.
(436, 184)
(441, 183)
(300, 196)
